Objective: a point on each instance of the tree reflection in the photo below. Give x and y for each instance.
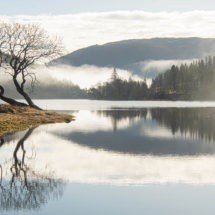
(27, 188)
(118, 116)
(196, 122)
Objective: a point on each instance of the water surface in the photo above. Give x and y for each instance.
(115, 158)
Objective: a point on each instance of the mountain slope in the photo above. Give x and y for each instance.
(123, 53)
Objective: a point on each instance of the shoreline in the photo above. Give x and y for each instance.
(13, 118)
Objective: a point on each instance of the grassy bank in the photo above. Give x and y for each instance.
(18, 118)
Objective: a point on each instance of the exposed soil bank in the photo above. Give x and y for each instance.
(14, 118)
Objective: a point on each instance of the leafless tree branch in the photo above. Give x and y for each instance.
(21, 47)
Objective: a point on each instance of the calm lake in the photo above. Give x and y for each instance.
(117, 157)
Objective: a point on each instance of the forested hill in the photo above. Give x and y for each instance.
(124, 53)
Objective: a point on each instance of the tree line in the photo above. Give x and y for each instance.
(118, 89)
(190, 82)
(186, 82)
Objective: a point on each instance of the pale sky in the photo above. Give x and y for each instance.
(59, 7)
(83, 23)
(85, 29)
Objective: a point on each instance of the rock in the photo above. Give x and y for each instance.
(1, 142)
(67, 120)
(11, 110)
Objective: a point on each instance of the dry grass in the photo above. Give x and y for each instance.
(14, 118)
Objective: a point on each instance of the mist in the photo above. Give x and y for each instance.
(46, 86)
(62, 81)
(161, 65)
(88, 75)
(65, 81)
(151, 68)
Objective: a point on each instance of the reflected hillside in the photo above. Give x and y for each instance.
(157, 131)
(22, 187)
(199, 123)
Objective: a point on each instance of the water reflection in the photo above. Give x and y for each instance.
(124, 147)
(156, 131)
(196, 122)
(118, 116)
(24, 187)
(169, 151)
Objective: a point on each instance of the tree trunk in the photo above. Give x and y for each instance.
(9, 100)
(25, 95)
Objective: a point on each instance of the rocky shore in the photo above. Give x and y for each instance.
(13, 118)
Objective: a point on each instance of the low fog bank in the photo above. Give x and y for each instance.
(62, 81)
(70, 82)
(46, 87)
(88, 75)
(151, 68)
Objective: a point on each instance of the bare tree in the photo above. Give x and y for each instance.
(2, 41)
(22, 46)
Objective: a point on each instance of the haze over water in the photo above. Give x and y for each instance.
(115, 158)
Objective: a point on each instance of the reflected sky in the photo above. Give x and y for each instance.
(78, 164)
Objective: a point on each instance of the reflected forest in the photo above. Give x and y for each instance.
(198, 123)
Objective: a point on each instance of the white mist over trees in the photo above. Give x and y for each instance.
(119, 89)
(187, 82)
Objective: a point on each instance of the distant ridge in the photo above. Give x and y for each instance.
(123, 54)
